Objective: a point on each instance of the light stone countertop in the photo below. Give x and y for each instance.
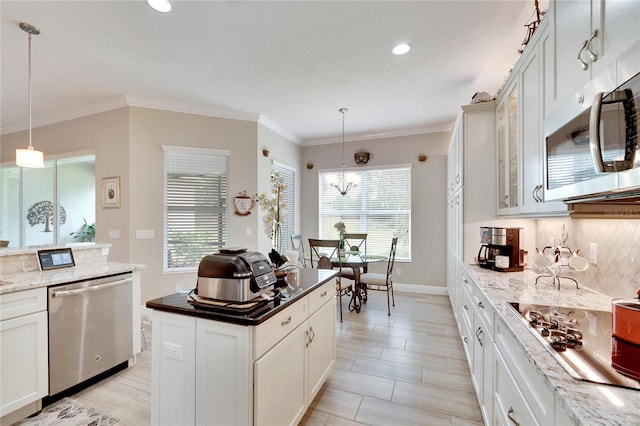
(17, 281)
(584, 402)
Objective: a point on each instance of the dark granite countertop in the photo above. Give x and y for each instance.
(306, 281)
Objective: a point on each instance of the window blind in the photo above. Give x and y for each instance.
(287, 220)
(380, 206)
(196, 211)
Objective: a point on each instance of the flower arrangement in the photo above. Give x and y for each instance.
(274, 205)
(342, 229)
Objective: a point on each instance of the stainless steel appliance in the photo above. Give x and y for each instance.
(581, 341)
(235, 276)
(90, 329)
(502, 253)
(594, 155)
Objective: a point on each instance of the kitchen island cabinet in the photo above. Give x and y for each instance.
(214, 368)
(529, 385)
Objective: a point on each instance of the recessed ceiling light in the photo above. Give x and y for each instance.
(160, 5)
(401, 49)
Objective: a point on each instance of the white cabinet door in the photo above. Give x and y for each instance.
(321, 347)
(608, 27)
(280, 381)
(23, 361)
(173, 369)
(572, 20)
(531, 134)
(222, 374)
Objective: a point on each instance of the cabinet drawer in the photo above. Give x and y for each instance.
(484, 309)
(23, 303)
(510, 406)
(275, 328)
(537, 394)
(322, 295)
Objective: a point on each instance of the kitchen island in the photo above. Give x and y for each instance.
(515, 375)
(215, 368)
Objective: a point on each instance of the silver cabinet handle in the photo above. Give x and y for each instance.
(323, 294)
(480, 304)
(464, 280)
(306, 332)
(590, 52)
(313, 334)
(287, 321)
(479, 333)
(466, 307)
(583, 64)
(533, 194)
(511, 418)
(466, 340)
(540, 193)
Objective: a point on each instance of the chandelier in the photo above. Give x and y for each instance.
(348, 180)
(29, 157)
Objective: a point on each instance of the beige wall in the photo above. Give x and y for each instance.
(104, 134)
(128, 143)
(428, 198)
(285, 152)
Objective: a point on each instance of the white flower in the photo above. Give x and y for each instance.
(273, 205)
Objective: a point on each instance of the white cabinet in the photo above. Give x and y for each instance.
(477, 315)
(289, 376)
(589, 35)
(280, 378)
(217, 373)
(520, 138)
(24, 375)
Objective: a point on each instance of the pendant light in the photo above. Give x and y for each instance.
(350, 180)
(29, 157)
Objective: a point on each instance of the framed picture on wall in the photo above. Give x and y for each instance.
(111, 192)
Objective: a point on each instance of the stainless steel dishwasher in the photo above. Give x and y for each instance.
(90, 329)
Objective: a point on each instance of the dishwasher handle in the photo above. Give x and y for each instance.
(63, 293)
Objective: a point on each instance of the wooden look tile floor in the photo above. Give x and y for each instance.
(406, 369)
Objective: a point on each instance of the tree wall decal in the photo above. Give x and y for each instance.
(42, 212)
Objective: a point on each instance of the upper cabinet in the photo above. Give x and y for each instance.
(589, 36)
(520, 111)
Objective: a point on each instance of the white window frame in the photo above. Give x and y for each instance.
(376, 245)
(197, 152)
(288, 225)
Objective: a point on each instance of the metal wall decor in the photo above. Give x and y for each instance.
(361, 157)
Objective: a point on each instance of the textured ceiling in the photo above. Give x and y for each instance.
(291, 64)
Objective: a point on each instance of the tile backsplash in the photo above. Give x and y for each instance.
(617, 273)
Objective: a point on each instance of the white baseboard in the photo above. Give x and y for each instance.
(421, 289)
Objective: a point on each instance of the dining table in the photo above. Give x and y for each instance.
(358, 262)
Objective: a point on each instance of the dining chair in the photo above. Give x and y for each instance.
(321, 252)
(297, 244)
(382, 282)
(354, 243)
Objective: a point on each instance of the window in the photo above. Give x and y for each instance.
(196, 212)
(51, 205)
(380, 206)
(287, 225)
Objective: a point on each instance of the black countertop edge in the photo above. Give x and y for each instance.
(308, 280)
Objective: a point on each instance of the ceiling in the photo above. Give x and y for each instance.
(289, 64)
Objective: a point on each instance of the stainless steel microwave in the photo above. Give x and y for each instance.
(596, 153)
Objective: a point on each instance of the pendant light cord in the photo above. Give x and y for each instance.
(30, 34)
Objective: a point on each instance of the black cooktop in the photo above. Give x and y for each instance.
(582, 342)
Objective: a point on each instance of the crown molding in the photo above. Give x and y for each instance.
(106, 105)
(446, 127)
(279, 130)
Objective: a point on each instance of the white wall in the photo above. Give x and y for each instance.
(428, 198)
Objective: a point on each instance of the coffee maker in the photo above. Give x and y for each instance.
(500, 249)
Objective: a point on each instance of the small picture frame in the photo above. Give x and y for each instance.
(111, 192)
